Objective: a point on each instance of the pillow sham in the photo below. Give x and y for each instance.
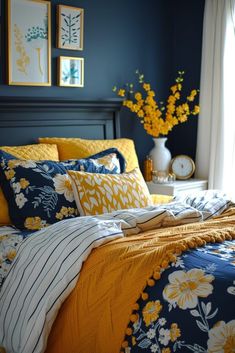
(82, 148)
(36, 152)
(39, 193)
(97, 193)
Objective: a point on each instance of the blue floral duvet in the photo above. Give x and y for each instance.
(192, 307)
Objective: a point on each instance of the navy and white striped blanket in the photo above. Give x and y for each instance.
(48, 263)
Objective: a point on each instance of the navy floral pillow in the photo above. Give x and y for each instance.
(39, 193)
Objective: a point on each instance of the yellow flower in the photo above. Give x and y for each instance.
(11, 254)
(129, 104)
(174, 89)
(166, 350)
(222, 337)
(135, 108)
(64, 211)
(140, 113)
(184, 288)
(10, 174)
(12, 163)
(170, 108)
(151, 311)
(179, 86)
(147, 108)
(121, 92)
(174, 332)
(140, 103)
(159, 118)
(192, 95)
(72, 211)
(146, 87)
(182, 118)
(24, 183)
(177, 95)
(151, 93)
(179, 110)
(149, 100)
(171, 99)
(138, 96)
(59, 216)
(133, 340)
(185, 107)
(34, 223)
(196, 110)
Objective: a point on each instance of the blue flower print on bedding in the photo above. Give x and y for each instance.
(39, 193)
(191, 308)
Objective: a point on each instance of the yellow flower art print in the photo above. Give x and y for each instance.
(159, 118)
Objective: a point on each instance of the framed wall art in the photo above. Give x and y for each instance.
(29, 42)
(70, 71)
(70, 27)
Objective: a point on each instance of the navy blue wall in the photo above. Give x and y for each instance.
(156, 36)
(187, 42)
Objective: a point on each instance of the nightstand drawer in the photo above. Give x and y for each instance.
(179, 187)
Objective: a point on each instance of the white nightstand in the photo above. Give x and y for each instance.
(178, 187)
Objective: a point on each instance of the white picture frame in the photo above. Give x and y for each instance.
(29, 42)
(70, 22)
(70, 71)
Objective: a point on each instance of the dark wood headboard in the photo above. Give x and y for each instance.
(23, 120)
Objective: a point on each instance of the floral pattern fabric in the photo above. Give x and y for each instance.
(10, 239)
(191, 308)
(40, 193)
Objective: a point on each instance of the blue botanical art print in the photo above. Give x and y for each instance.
(29, 42)
(71, 71)
(70, 35)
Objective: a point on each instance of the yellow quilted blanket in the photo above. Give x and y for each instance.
(94, 317)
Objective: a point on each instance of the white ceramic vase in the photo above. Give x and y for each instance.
(160, 155)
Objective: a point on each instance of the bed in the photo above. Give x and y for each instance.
(155, 278)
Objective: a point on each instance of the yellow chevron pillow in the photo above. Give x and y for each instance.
(74, 148)
(35, 152)
(101, 193)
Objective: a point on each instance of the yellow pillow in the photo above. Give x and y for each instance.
(35, 152)
(101, 193)
(73, 148)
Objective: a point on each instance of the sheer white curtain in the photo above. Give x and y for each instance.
(215, 159)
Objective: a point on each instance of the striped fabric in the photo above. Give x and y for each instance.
(210, 202)
(45, 271)
(48, 264)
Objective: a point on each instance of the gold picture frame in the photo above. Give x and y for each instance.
(70, 23)
(29, 42)
(70, 71)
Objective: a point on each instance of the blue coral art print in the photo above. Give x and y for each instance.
(71, 71)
